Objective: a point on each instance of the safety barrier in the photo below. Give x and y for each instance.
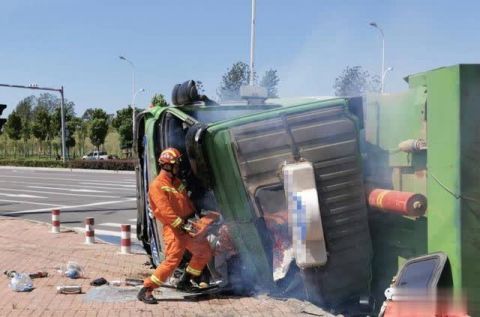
(55, 220)
(89, 231)
(125, 243)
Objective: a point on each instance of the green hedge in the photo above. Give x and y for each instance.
(117, 165)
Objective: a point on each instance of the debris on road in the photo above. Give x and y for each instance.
(20, 282)
(98, 282)
(133, 282)
(39, 274)
(73, 270)
(69, 289)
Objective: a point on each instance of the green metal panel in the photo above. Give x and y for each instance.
(454, 172)
(443, 134)
(470, 183)
(389, 120)
(232, 199)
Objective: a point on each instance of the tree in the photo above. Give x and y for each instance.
(355, 81)
(41, 125)
(24, 111)
(123, 124)
(159, 100)
(98, 127)
(13, 128)
(270, 81)
(87, 115)
(239, 75)
(81, 128)
(235, 77)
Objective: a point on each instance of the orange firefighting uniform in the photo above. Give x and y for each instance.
(171, 205)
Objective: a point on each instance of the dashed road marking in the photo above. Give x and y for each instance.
(24, 202)
(61, 207)
(21, 195)
(70, 189)
(56, 193)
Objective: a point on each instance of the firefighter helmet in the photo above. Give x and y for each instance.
(170, 156)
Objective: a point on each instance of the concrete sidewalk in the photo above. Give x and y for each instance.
(29, 247)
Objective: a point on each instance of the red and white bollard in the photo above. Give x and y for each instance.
(55, 220)
(89, 231)
(125, 242)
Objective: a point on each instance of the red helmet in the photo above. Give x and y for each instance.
(170, 156)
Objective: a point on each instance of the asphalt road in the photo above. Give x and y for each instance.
(108, 197)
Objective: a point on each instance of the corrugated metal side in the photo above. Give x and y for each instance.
(328, 138)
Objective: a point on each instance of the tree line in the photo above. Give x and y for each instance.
(35, 126)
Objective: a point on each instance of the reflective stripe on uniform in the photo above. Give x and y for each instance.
(181, 188)
(155, 280)
(177, 222)
(193, 271)
(168, 189)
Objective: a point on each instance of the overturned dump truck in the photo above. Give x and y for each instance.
(326, 198)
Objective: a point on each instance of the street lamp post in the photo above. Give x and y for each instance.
(133, 93)
(383, 77)
(252, 44)
(375, 25)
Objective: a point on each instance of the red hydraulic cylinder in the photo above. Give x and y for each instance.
(403, 203)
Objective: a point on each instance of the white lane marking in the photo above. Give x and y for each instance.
(62, 178)
(106, 233)
(63, 194)
(65, 207)
(21, 195)
(116, 225)
(65, 185)
(133, 220)
(25, 202)
(108, 184)
(70, 189)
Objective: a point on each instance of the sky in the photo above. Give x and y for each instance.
(77, 44)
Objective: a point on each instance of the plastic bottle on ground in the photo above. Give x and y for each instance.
(21, 282)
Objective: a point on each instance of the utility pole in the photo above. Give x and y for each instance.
(382, 73)
(62, 112)
(252, 43)
(133, 94)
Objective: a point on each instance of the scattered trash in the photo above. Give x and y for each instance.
(9, 274)
(73, 270)
(99, 282)
(111, 294)
(116, 283)
(39, 274)
(69, 289)
(20, 282)
(133, 282)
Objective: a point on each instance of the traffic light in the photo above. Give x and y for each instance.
(2, 120)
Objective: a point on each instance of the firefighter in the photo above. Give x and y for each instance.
(172, 206)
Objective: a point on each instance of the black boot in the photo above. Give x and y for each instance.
(145, 295)
(184, 283)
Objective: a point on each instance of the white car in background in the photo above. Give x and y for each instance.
(96, 155)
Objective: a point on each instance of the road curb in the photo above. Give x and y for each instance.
(61, 169)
